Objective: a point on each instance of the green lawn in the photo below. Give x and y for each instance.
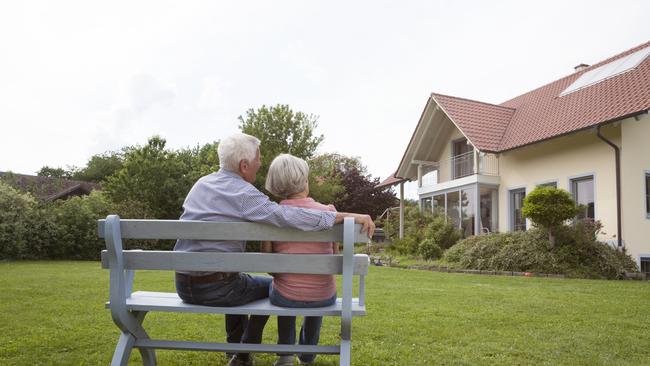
(52, 313)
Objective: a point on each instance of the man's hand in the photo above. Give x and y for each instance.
(367, 225)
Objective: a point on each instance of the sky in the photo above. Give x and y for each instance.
(79, 78)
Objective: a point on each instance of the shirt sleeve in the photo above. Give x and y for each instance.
(257, 207)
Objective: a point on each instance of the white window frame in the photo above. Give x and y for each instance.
(583, 176)
(548, 182)
(640, 257)
(646, 188)
(511, 214)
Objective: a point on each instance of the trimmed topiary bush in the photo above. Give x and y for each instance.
(549, 208)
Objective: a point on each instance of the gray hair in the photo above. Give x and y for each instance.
(287, 175)
(236, 148)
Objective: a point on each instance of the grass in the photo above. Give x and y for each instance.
(52, 313)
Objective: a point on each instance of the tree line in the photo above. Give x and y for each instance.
(152, 180)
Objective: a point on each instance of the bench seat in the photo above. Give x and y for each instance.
(170, 302)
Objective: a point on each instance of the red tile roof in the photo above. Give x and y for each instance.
(542, 114)
(390, 181)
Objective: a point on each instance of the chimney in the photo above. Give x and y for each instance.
(580, 67)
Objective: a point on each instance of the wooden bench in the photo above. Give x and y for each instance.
(128, 308)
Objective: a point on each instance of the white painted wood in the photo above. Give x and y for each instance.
(346, 353)
(238, 262)
(123, 350)
(206, 230)
(235, 347)
(362, 290)
(346, 281)
(129, 309)
(170, 302)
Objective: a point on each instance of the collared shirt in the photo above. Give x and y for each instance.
(225, 196)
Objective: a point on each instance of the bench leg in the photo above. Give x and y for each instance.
(148, 354)
(123, 350)
(127, 341)
(346, 350)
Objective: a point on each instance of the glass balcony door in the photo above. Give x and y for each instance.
(462, 159)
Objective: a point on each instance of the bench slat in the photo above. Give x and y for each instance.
(238, 262)
(170, 302)
(206, 230)
(234, 347)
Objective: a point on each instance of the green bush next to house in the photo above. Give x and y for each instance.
(577, 253)
(425, 234)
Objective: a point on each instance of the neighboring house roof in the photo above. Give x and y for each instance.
(542, 113)
(48, 188)
(390, 181)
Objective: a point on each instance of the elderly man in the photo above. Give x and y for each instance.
(229, 196)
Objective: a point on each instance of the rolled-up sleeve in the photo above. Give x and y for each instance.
(257, 207)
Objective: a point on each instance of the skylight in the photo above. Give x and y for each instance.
(607, 71)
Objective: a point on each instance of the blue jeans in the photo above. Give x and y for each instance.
(237, 290)
(310, 330)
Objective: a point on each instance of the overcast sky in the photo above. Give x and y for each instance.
(79, 78)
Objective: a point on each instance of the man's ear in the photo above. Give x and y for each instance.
(243, 166)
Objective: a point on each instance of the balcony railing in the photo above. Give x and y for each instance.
(460, 166)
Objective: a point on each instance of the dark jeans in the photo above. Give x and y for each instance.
(310, 330)
(237, 290)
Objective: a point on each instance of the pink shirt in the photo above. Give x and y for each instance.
(304, 287)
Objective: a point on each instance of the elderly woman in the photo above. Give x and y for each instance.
(288, 179)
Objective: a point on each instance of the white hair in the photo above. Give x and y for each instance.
(287, 175)
(236, 148)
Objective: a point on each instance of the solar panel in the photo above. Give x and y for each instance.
(608, 71)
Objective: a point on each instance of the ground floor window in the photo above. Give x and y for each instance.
(462, 208)
(517, 221)
(426, 204)
(645, 264)
(548, 184)
(489, 204)
(583, 193)
(647, 194)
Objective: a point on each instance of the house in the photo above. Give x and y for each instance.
(48, 189)
(587, 133)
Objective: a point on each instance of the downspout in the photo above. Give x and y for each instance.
(617, 155)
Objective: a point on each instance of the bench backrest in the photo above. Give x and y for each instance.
(123, 263)
(225, 262)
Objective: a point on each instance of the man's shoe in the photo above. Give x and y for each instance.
(284, 361)
(238, 361)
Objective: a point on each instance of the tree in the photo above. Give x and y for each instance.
(154, 177)
(50, 172)
(200, 160)
(99, 167)
(549, 207)
(325, 176)
(280, 130)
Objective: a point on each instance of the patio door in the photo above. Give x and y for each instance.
(463, 159)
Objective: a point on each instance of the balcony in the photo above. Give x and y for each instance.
(457, 170)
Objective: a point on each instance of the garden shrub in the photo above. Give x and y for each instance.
(429, 249)
(27, 231)
(76, 219)
(419, 227)
(577, 253)
(15, 224)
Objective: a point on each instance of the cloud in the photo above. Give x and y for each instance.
(212, 95)
(140, 94)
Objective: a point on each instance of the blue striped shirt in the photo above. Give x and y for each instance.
(225, 196)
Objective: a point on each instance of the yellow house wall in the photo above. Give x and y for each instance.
(635, 162)
(560, 160)
(444, 174)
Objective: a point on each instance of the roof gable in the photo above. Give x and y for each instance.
(484, 124)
